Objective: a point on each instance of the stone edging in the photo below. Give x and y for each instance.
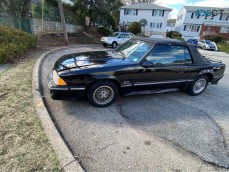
(67, 160)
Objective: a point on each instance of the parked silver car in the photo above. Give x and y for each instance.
(206, 45)
(116, 38)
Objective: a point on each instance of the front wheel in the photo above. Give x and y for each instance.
(102, 93)
(104, 45)
(114, 44)
(199, 85)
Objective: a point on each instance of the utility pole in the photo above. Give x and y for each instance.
(63, 21)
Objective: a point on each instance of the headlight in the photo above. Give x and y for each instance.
(57, 80)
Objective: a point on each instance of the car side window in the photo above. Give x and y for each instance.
(167, 55)
(188, 58)
(121, 36)
(127, 36)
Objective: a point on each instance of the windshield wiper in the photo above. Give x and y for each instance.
(65, 67)
(119, 52)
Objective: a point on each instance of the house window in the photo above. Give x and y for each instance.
(158, 13)
(224, 29)
(152, 25)
(131, 12)
(170, 24)
(155, 25)
(191, 28)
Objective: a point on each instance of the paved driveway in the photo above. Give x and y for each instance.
(159, 132)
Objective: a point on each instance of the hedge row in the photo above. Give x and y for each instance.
(14, 42)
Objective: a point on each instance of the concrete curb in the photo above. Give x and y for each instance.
(67, 160)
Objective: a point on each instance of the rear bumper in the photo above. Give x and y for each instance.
(64, 91)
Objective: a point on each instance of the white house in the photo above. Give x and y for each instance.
(199, 22)
(152, 15)
(170, 26)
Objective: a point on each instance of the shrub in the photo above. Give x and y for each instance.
(105, 31)
(217, 39)
(14, 42)
(179, 38)
(135, 28)
(173, 34)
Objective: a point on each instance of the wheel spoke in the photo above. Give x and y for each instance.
(103, 95)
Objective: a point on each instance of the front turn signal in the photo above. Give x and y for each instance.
(61, 82)
(57, 80)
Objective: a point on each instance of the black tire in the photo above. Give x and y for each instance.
(54, 95)
(114, 44)
(104, 45)
(192, 88)
(101, 90)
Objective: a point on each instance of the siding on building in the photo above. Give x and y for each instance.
(190, 25)
(156, 25)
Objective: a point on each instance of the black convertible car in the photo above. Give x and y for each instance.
(138, 65)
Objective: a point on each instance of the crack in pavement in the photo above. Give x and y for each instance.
(217, 131)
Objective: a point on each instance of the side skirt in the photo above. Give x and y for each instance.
(152, 92)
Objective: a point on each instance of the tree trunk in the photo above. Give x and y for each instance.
(25, 9)
(63, 22)
(25, 22)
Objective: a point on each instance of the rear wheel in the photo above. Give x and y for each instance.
(204, 48)
(102, 94)
(114, 44)
(199, 85)
(104, 45)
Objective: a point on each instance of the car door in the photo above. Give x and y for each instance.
(164, 67)
(121, 39)
(201, 44)
(127, 37)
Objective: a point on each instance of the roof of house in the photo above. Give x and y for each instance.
(146, 6)
(194, 8)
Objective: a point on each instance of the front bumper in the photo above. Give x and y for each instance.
(64, 91)
(215, 80)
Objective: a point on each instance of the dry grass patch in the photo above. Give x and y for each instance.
(23, 143)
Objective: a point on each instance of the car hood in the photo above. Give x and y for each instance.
(93, 59)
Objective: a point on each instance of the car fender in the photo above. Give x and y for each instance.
(96, 78)
(208, 72)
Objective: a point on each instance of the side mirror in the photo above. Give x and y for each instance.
(147, 64)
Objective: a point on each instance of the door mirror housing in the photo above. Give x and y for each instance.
(147, 63)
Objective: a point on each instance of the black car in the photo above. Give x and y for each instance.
(138, 65)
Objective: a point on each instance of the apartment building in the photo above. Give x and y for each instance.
(202, 22)
(152, 17)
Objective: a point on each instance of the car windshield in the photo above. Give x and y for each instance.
(134, 49)
(208, 42)
(115, 34)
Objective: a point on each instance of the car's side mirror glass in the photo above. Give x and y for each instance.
(147, 63)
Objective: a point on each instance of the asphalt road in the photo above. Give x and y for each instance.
(159, 132)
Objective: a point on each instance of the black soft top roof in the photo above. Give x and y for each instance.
(198, 59)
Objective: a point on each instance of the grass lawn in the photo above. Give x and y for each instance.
(23, 143)
(224, 47)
